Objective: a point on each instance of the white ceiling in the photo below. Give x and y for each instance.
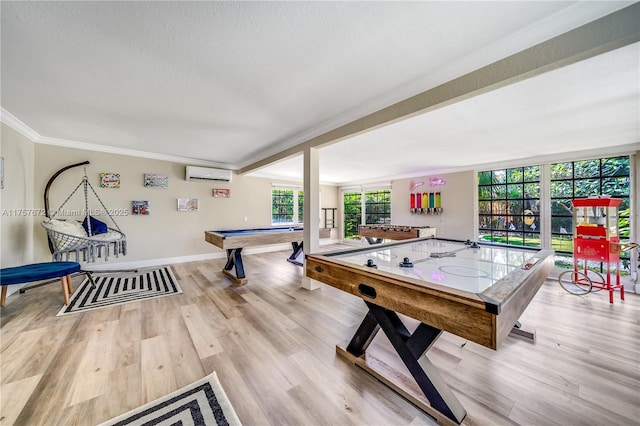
(231, 83)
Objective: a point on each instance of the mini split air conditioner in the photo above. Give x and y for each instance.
(207, 173)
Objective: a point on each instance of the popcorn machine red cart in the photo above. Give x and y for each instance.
(595, 238)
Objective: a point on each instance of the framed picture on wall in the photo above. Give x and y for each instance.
(187, 204)
(221, 192)
(140, 207)
(156, 180)
(109, 180)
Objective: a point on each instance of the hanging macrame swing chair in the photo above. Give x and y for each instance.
(89, 240)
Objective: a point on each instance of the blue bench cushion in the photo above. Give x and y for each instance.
(37, 272)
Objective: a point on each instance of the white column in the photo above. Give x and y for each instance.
(311, 209)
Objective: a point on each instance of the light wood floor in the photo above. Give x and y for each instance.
(273, 347)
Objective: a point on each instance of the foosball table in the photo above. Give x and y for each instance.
(376, 233)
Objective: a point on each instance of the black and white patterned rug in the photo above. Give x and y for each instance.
(119, 288)
(203, 403)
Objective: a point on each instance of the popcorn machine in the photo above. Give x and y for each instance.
(595, 238)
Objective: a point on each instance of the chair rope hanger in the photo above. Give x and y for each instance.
(93, 239)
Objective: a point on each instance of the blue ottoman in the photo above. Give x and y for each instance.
(39, 272)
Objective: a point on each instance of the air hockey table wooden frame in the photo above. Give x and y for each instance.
(485, 317)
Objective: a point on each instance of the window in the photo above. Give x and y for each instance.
(509, 202)
(377, 207)
(352, 213)
(581, 179)
(300, 207)
(286, 205)
(374, 204)
(509, 205)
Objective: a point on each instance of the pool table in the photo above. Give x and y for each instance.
(234, 240)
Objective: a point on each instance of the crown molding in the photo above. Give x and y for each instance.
(130, 152)
(10, 120)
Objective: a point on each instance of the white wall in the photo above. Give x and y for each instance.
(457, 218)
(16, 201)
(165, 234)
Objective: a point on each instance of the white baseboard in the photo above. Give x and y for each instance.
(114, 266)
(137, 264)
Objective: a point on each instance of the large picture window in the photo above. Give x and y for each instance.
(377, 207)
(509, 205)
(286, 206)
(374, 205)
(352, 213)
(581, 179)
(509, 202)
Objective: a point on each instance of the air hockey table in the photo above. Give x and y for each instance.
(234, 240)
(475, 291)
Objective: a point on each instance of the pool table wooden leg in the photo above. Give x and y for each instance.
(234, 261)
(3, 296)
(297, 250)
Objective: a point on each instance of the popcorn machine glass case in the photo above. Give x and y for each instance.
(596, 227)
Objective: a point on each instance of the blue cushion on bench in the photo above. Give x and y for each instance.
(37, 272)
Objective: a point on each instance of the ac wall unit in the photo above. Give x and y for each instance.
(207, 173)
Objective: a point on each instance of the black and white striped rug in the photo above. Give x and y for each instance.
(203, 403)
(119, 288)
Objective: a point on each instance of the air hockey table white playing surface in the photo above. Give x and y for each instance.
(458, 265)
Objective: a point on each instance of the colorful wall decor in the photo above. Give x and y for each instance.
(437, 181)
(140, 207)
(425, 203)
(187, 204)
(156, 180)
(221, 192)
(109, 180)
(413, 185)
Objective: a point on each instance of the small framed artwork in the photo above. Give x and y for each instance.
(140, 207)
(221, 192)
(187, 204)
(109, 180)
(156, 180)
